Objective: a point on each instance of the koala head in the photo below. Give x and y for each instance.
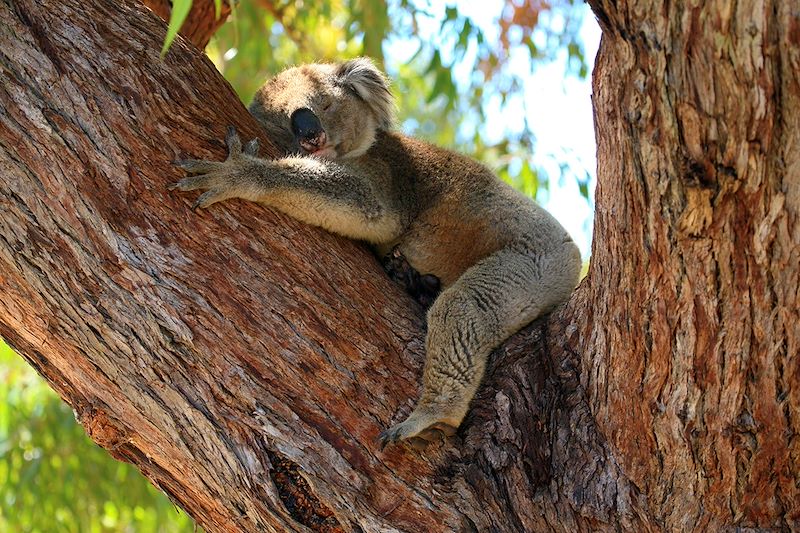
(326, 110)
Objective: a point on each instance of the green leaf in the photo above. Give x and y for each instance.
(435, 64)
(180, 10)
(442, 85)
(529, 179)
(583, 187)
(464, 35)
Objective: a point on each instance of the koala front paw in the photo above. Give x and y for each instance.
(419, 430)
(218, 178)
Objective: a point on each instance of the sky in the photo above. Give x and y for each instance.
(557, 105)
(560, 110)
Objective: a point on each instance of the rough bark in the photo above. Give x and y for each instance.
(246, 362)
(692, 369)
(201, 23)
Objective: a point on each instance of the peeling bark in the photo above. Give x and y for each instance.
(246, 362)
(692, 370)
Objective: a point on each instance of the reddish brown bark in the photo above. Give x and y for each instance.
(207, 348)
(692, 371)
(246, 362)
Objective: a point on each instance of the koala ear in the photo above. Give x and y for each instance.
(361, 76)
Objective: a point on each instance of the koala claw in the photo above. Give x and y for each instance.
(233, 142)
(219, 178)
(191, 183)
(197, 166)
(207, 198)
(418, 431)
(251, 148)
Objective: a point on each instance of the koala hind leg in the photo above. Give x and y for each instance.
(490, 302)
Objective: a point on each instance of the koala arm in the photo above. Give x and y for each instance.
(323, 193)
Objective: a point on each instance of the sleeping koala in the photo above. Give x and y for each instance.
(502, 260)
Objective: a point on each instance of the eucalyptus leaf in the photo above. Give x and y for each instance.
(180, 10)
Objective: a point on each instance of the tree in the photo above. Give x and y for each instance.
(54, 478)
(246, 363)
(200, 21)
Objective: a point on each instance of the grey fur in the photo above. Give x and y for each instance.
(503, 261)
(370, 84)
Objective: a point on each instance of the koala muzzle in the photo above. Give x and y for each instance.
(308, 131)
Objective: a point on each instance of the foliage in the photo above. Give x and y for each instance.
(178, 13)
(265, 36)
(54, 478)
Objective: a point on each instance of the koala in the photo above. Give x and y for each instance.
(501, 259)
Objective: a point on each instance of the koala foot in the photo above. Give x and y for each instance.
(419, 430)
(218, 178)
(424, 288)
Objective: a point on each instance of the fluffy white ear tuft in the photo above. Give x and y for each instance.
(361, 76)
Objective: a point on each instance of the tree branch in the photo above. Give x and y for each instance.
(201, 23)
(227, 351)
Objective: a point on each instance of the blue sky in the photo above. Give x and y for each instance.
(560, 110)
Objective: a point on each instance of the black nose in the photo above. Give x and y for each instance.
(305, 125)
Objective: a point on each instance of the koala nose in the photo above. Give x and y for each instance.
(308, 130)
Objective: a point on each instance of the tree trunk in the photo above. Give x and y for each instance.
(691, 368)
(246, 362)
